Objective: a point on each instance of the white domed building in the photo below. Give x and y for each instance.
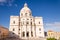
(26, 25)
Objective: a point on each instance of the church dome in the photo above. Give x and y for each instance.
(25, 10)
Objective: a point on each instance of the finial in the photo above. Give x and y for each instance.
(25, 5)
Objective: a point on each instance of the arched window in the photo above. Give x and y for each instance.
(21, 14)
(31, 23)
(25, 14)
(31, 33)
(23, 34)
(30, 14)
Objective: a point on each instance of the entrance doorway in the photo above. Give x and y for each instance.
(27, 34)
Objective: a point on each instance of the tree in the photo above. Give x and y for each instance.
(51, 39)
(59, 38)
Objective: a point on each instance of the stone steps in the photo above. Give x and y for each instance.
(26, 39)
(35, 39)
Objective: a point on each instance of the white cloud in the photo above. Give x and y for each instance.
(7, 2)
(2, 0)
(55, 24)
(16, 5)
(2, 4)
(10, 4)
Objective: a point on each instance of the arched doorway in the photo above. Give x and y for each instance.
(31, 33)
(27, 34)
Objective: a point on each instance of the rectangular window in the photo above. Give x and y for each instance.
(39, 29)
(18, 33)
(12, 33)
(13, 29)
(27, 19)
(40, 32)
(39, 22)
(21, 14)
(14, 22)
(25, 14)
(19, 29)
(23, 23)
(27, 23)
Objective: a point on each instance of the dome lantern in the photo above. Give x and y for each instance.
(25, 5)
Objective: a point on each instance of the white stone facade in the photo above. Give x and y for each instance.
(26, 25)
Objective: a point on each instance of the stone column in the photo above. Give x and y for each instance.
(25, 34)
(34, 32)
(30, 32)
(26, 31)
(20, 31)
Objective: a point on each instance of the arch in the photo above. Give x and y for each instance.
(27, 34)
(31, 33)
(23, 34)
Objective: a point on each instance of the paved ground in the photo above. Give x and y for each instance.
(24, 39)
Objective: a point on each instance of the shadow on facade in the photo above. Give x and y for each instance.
(11, 37)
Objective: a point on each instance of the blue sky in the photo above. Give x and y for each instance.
(48, 9)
